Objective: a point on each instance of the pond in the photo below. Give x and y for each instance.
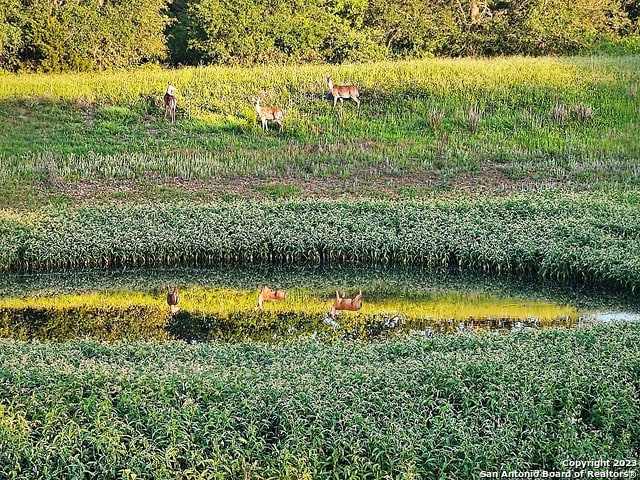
(221, 303)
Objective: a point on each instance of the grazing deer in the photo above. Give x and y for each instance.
(172, 299)
(267, 114)
(343, 91)
(269, 294)
(352, 304)
(170, 102)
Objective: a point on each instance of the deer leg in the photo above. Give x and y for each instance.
(259, 301)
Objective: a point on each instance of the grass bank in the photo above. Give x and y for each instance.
(444, 407)
(424, 126)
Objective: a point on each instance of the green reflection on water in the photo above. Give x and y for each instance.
(218, 303)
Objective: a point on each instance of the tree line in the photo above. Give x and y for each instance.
(87, 35)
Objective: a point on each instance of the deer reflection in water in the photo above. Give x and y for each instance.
(269, 294)
(342, 303)
(173, 297)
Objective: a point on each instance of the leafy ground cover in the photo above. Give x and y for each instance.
(589, 237)
(443, 407)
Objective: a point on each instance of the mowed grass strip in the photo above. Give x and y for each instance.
(443, 407)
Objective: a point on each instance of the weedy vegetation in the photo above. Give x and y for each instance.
(586, 237)
(441, 407)
(509, 122)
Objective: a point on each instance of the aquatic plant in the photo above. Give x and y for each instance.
(441, 407)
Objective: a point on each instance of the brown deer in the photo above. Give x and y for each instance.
(269, 294)
(351, 304)
(343, 91)
(170, 102)
(266, 114)
(172, 299)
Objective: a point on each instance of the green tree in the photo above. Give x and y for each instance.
(414, 28)
(278, 31)
(86, 35)
(539, 27)
(10, 33)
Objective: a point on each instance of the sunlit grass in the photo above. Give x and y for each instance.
(415, 118)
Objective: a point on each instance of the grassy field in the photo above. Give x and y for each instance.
(446, 407)
(425, 127)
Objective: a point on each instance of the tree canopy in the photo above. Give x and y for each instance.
(84, 35)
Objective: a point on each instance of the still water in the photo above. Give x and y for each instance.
(220, 303)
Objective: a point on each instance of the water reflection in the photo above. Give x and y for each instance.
(219, 304)
(609, 317)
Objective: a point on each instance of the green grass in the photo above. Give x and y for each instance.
(443, 407)
(78, 131)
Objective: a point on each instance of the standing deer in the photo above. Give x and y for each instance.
(341, 303)
(170, 102)
(343, 91)
(267, 114)
(269, 294)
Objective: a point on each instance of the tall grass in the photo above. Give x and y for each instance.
(445, 407)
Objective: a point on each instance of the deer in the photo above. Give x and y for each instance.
(173, 298)
(267, 114)
(343, 91)
(351, 304)
(269, 294)
(170, 102)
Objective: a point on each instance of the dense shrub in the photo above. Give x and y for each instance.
(99, 34)
(82, 35)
